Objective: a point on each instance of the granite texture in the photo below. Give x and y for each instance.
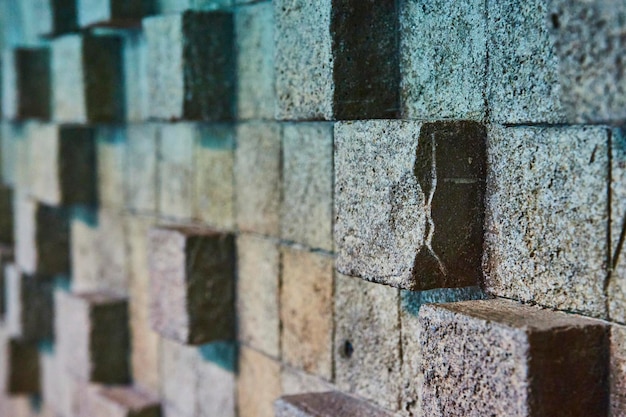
(258, 384)
(617, 281)
(326, 404)
(617, 372)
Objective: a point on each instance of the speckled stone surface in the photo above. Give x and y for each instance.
(175, 170)
(443, 58)
(547, 216)
(618, 371)
(140, 177)
(326, 404)
(258, 384)
(617, 283)
(498, 357)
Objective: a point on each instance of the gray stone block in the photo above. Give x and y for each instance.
(26, 83)
(617, 372)
(191, 66)
(113, 12)
(112, 146)
(140, 181)
(617, 265)
(498, 357)
(326, 404)
(547, 216)
(176, 170)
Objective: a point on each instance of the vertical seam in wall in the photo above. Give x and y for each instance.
(398, 92)
(279, 241)
(400, 350)
(333, 290)
(609, 234)
(157, 179)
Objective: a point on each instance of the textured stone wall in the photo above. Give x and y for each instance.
(238, 208)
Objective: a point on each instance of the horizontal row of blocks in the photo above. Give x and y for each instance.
(299, 61)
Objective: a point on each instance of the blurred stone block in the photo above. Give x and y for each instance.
(59, 390)
(140, 184)
(20, 367)
(258, 384)
(171, 6)
(135, 57)
(26, 83)
(192, 284)
(112, 149)
(6, 215)
(176, 170)
(120, 13)
(533, 361)
(6, 268)
(295, 381)
(331, 403)
(121, 401)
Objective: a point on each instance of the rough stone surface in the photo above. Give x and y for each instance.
(306, 306)
(120, 401)
(533, 361)
(326, 404)
(618, 371)
(617, 282)
(443, 58)
(308, 184)
(257, 178)
(176, 169)
(546, 216)
(112, 146)
(192, 284)
(258, 384)
(113, 12)
(258, 279)
(26, 83)
(141, 168)
(367, 340)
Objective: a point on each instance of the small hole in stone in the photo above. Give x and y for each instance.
(347, 349)
(555, 20)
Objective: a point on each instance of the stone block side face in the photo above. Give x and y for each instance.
(367, 340)
(618, 371)
(176, 170)
(617, 282)
(306, 305)
(112, 146)
(546, 216)
(26, 83)
(258, 384)
(330, 403)
(307, 192)
(23, 368)
(6, 215)
(443, 58)
(30, 310)
(69, 101)
(120, 402)
(141, 165)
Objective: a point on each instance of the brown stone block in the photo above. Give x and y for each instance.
(26, 83)
(258, 384)
(192, 284)
(120, 401)
(326, 404)
(499, 357)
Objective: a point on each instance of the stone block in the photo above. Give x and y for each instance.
(331, 403)
(135, 57)
(120, 401)
(443, 58)
(11, 135)
(21, 370)
(172, 6)
(617, 372)
(617, 265)
(176, 170)
(64, 165)
(295, 381)
(327, 69)
(36, 18)
(533, 361)
(307, 206)
(42, 236)
(60, 392)
(117, 13)
(258, 178)
(410, 219)
(26, 83)
(306, 306)
(258, 281)
(6, 268)
(367, 340)
(22, 154)
(191, 62)
(112, 146)
(87, 78)
(140, 183)
(91, 331)
(254, 29)
(547, 216)
(6, 215)
(214, 180)
(192, 284)
(258, 384)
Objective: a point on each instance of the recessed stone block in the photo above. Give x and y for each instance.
(324, 404)
(113, 12)
(192, 284)
(191, 62)
(26, 83)
(21, 363)
(120, 401)
(258, 384)
(504, 358)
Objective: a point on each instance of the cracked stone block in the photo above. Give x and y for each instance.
(534, 362)
(589, 38)
(191, 62)
(410, 219)
(42, 236)
(617, 373)
(6, 215)
(295, 381)
(176, 170)
(21, 367)
(120, 401)
(258, 384)
(325, 67)
(367, 340)
(254, 29)
(331, 403)
(192, 284)
(306, 307)
(26, 83)
(87, 78)
(214, 194)
(140, 182)
(547, 216)
(617, 280)
(112, 145)
(258, 278)
(91, 331)
(307, 206)
(258, 177)
(64, 165)
(116, 13)
(443, 58)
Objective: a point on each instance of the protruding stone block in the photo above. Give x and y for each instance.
(120, 401)
(547, 216)
(506, 359)
(409, 202)
(176, 170)
(121, 13)
(26, 83)
(327, 69)
(258, 384)
(192, 284)
(112, 146)
(87, 81)
(91, 333)
(326, 404)
(140, 184)
(191, 62)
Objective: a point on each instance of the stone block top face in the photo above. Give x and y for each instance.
(326, 404)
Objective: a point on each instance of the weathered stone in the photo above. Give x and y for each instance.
(257, 178)
(326, 404)
(306, 306)
(617, 372)
(113, 12)
(258, 384)
(6, 215)
(91, 331)
(295, 381)
(20, 362)
(87, 78)
(140, 182)
(254, 28)
(546, 216)
(26, 83)
(120, 401)
(191, 62)
(258, 278)
(214, 194)
(410, 219)
(367, 340)
(307, 207)
(617, 279)
(192, 284)
(442, 59)
(498, 357)
(59, 390)
(112, 147)
(11, 134)
(326, 68)
(135, 57)
(175, 171)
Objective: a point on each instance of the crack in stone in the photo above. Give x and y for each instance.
(428, 205)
